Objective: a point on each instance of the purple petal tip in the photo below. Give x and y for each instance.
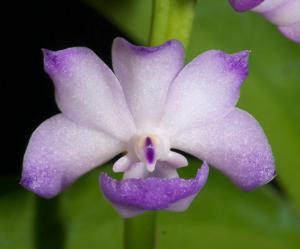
(244, 5)
(45, 183)
(121, 42)
(51, 60)
(61, 60)
(238, 62)
(29, 184)
(262, 178)
(152, 193)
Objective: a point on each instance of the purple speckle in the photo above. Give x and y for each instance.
(149, 150)
(244, 5)
(152, 193)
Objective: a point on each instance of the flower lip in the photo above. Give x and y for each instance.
(152, 193)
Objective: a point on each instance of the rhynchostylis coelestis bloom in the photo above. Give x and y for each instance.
(150, 105)
(283, 13)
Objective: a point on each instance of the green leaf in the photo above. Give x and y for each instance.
(272, 91)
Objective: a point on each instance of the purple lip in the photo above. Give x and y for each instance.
(152, 193)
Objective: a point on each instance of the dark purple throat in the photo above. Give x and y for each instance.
(149, 150)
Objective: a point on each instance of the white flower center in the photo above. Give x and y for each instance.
(148, 148)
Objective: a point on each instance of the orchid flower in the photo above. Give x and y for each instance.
(149, 106)
(283, 13)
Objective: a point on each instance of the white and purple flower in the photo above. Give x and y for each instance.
(283, 13)
(150, 105)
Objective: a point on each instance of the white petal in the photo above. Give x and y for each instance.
(176, 160)
(287, 13)
(60, 151)
(136, 170)
(88, 92)
(236, 145)
(165, 170)
(145, 74)
(208, 87)
(122, 164)
(268, 5)
(291, 31)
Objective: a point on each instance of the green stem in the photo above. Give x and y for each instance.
(140, 232)
(49, 228)
(171, 19)
(160, 13)
(181, 18)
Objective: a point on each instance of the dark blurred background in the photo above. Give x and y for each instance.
(28, 95)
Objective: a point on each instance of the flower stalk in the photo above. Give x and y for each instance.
(139, 232)
(171, 19)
